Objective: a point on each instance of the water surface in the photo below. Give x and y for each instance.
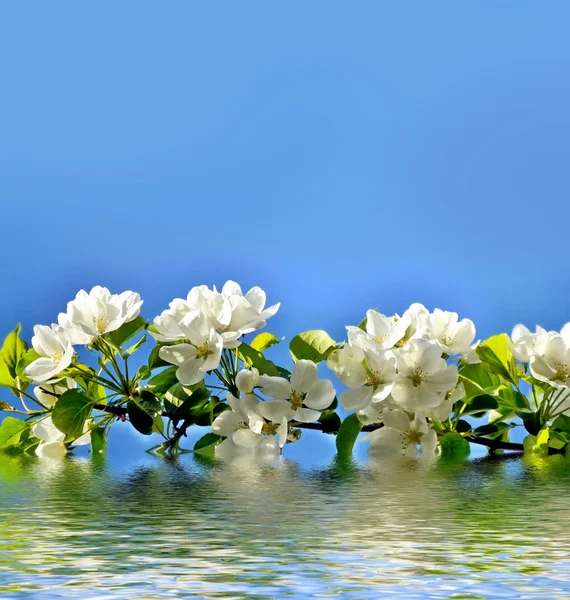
(155, 528)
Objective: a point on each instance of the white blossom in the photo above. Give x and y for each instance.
(52, 439)
(552, 363)
(48, 393)
(199, 354)
(248, 311)
(55, 350)
(402, 436)
(247, 379)
(98, 312)
(454, 336)
(302, 399)
(371, 383)
(423, 376)
(247, 427)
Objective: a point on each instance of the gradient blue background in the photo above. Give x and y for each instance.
(340, 156)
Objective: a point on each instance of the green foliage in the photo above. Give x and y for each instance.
(161, 383)
(263, 341)
(254, 358)
(132, 349)
(207, 443)
(11, 353)
(330, 421)
(476, 406)
(143, 411)
(98, 439)
(537, 444)
(71, 411)
(154, 360)
(11, 432)
(127, 331)
(496, 353)
(454, 445)
(347, 435)
(187, 402)
(315, 345)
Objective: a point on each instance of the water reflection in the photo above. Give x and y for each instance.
(192, 527)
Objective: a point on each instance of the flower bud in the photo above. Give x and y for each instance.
(246, 379)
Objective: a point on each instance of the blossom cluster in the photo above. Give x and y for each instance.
(401, 366)
(411, 382)
(197, 330)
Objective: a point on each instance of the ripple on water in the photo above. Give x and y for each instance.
(488, 529)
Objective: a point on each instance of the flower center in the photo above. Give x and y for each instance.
(57, 355)
(561, 372)
(417, 377)
(413, 437)
(447, 341)
(100, 324)
(380, 340)
(269, 428)
(297, 399)
(373, 380)
(203, 351)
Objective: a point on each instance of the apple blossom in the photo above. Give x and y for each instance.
(201, 353)
(552, 364)
(402, 436)
(55, 350)
(245, 424)
(248, 311)
(381, 331)
(302, 399)
(375, 383)
(247, 379)
(48, 393)
(423, 376)
(454, 336)
(52, 439)
(99, 312)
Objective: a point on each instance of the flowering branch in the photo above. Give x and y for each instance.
(411, 383)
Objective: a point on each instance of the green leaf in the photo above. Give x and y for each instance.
(10, 431)
(253, 358)
(315, 345)
(537, 444)
(161, 383)
(363, 323)
(496, 353)
(562, 422)
(98, 440)
(347, 434)
(132, 349)
(207, 443)
(532, 421)
(330, 421)
(183, 402)
(477, 406)
(126, 331)
(454, 445)
(27, 359)
(477, 379)
(70, 413)
(263, 341)
(12, 351)
(143, 411)
(493, 431)
(154, 360)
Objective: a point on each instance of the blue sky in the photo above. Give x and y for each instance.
(342, 157)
